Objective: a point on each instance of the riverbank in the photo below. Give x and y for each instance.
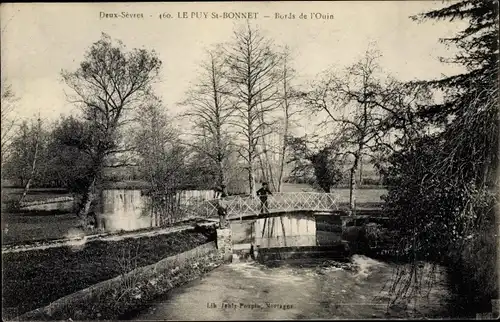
(252, 291)
(32, 279)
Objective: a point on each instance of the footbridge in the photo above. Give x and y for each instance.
(239, 207)
(295, 224)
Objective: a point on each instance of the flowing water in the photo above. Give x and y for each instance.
(252, 291)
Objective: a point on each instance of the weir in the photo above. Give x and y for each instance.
(291, 236)
(129, 209)
(123, 209)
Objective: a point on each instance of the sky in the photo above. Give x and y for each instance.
(39, 40)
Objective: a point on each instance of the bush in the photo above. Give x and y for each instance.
(474, 271)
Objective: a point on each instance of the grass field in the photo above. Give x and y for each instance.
(363, 195)
(31, 226)
(19, 228)
(35, 194)
(33, 279)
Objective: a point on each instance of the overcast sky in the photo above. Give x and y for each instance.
(38, 40)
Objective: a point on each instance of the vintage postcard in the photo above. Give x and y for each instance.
(249, 160)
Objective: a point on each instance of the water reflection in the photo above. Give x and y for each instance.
(312, 290)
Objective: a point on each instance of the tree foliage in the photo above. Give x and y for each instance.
(8, 118)
(253, 77)
(69, 165)
(28, 151)
(326, 163)
(354, 101)
(161, 160)
(444, 181)
(110, 84)
(209, 112)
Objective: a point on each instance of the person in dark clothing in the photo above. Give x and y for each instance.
(262, 193)
(222, 212)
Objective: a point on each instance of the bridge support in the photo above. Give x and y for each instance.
(225, 244)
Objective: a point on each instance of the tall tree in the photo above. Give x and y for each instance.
(109, 84)
(253, 76)
(162, 159)
(209, 112)
(37, 141)
(351, 103)
(273, 144)
(28, 145)
(68, 165)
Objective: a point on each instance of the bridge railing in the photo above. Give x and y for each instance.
(282, 201)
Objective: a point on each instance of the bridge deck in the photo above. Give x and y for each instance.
(360, 213)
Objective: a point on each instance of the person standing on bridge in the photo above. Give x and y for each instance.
(222, 212)
(262, 193)
(220, 194)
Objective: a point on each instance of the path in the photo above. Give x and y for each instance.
(80, 239)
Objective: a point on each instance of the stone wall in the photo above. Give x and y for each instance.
(110, 299)
(225, 244)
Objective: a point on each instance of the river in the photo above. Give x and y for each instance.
(252, 291)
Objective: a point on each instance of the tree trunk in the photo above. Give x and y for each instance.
(270, 169)
(251, 174)
(282, 158)
(32, 173)
(352, 186)
(263, 169)
(89, 195)
(360, 171)
(222, 179)
(266, 164)
(286, 109)
(251, 180)
(87, 199)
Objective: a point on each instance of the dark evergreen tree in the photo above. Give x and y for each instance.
(443, 183)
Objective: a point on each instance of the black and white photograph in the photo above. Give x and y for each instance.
(251, 160)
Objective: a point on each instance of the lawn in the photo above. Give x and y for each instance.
(33, 279)
(364, 196)
(34, 194)
(25, 227)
